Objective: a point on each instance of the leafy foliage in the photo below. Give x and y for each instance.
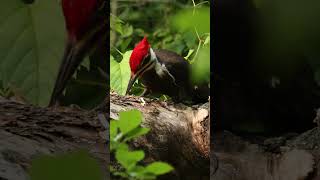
(128, 127)
(165, 25)
(200, 23)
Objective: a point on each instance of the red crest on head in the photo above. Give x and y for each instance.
(139, 52)
(77, 14)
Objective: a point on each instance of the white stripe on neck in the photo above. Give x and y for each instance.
(161, 69)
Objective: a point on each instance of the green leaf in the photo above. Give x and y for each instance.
(190, 38)
(113, 129)
(129, 159)
(129, 120)
(125, 43)
(127, 30)
(31, 48)
(119, 28)
(136, 171)
(116, 24)
(120, 73)
(115, 145)
(77, 165)
(121, 174)
(137, 132)
(158, 168)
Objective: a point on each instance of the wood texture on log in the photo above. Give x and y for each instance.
(288, 157)
(28, 131)
(179, 135)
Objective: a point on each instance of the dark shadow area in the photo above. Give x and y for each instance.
(265, 76)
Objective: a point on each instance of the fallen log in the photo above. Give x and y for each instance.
(180, 134)
(27, 132)
(287, 157)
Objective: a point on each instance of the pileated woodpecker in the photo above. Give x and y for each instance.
(164, 72)
(87, 24)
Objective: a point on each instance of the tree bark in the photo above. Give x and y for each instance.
(28, 131)
(288, 157)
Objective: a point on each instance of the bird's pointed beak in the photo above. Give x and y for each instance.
(133, 78)
(146, 65)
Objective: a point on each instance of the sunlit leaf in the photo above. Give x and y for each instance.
(137, 132)
(120, 73)
(129, 120)
(113, 129)
(129, 159)
(159, 168)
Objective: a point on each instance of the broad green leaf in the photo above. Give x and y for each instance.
(120, 73)
(32, 41)
(114, 145)
(147, 176)
(137, 132)
(129, 159)
(129, 120)
(123, 146)
(77, 165)
(127, 30)
(136, 171)
(159, 168)
(113, 129)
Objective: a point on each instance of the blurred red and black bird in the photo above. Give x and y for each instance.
(86, 25)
